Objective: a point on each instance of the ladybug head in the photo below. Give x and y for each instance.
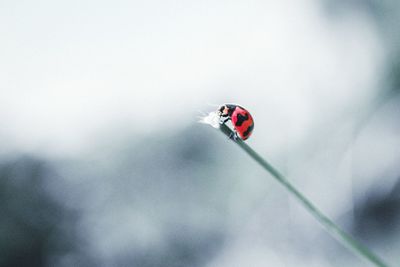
(226, 110)
(223, 111)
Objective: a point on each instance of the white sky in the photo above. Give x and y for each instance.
(72, 69)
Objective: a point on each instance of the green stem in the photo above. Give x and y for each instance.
(329, 226)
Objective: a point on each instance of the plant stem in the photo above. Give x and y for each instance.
(344, 238)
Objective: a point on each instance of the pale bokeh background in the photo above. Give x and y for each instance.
(103, 163)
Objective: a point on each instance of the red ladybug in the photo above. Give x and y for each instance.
(242, 121)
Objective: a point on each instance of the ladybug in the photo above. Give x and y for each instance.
(242, 121)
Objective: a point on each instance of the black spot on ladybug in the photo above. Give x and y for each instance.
(241, 119)
(249, 129)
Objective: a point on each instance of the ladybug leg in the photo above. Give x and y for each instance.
(224, 119)
(233, 136)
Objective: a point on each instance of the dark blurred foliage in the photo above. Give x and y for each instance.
(178, 183)
(35, 228)
(174, 182)
(184, 248)
(163, 180)
(377, 216)
(394, 75)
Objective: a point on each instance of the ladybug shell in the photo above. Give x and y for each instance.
(242, 122)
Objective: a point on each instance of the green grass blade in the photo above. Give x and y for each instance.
(344, 238)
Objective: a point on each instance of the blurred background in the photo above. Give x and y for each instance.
(103, 163)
